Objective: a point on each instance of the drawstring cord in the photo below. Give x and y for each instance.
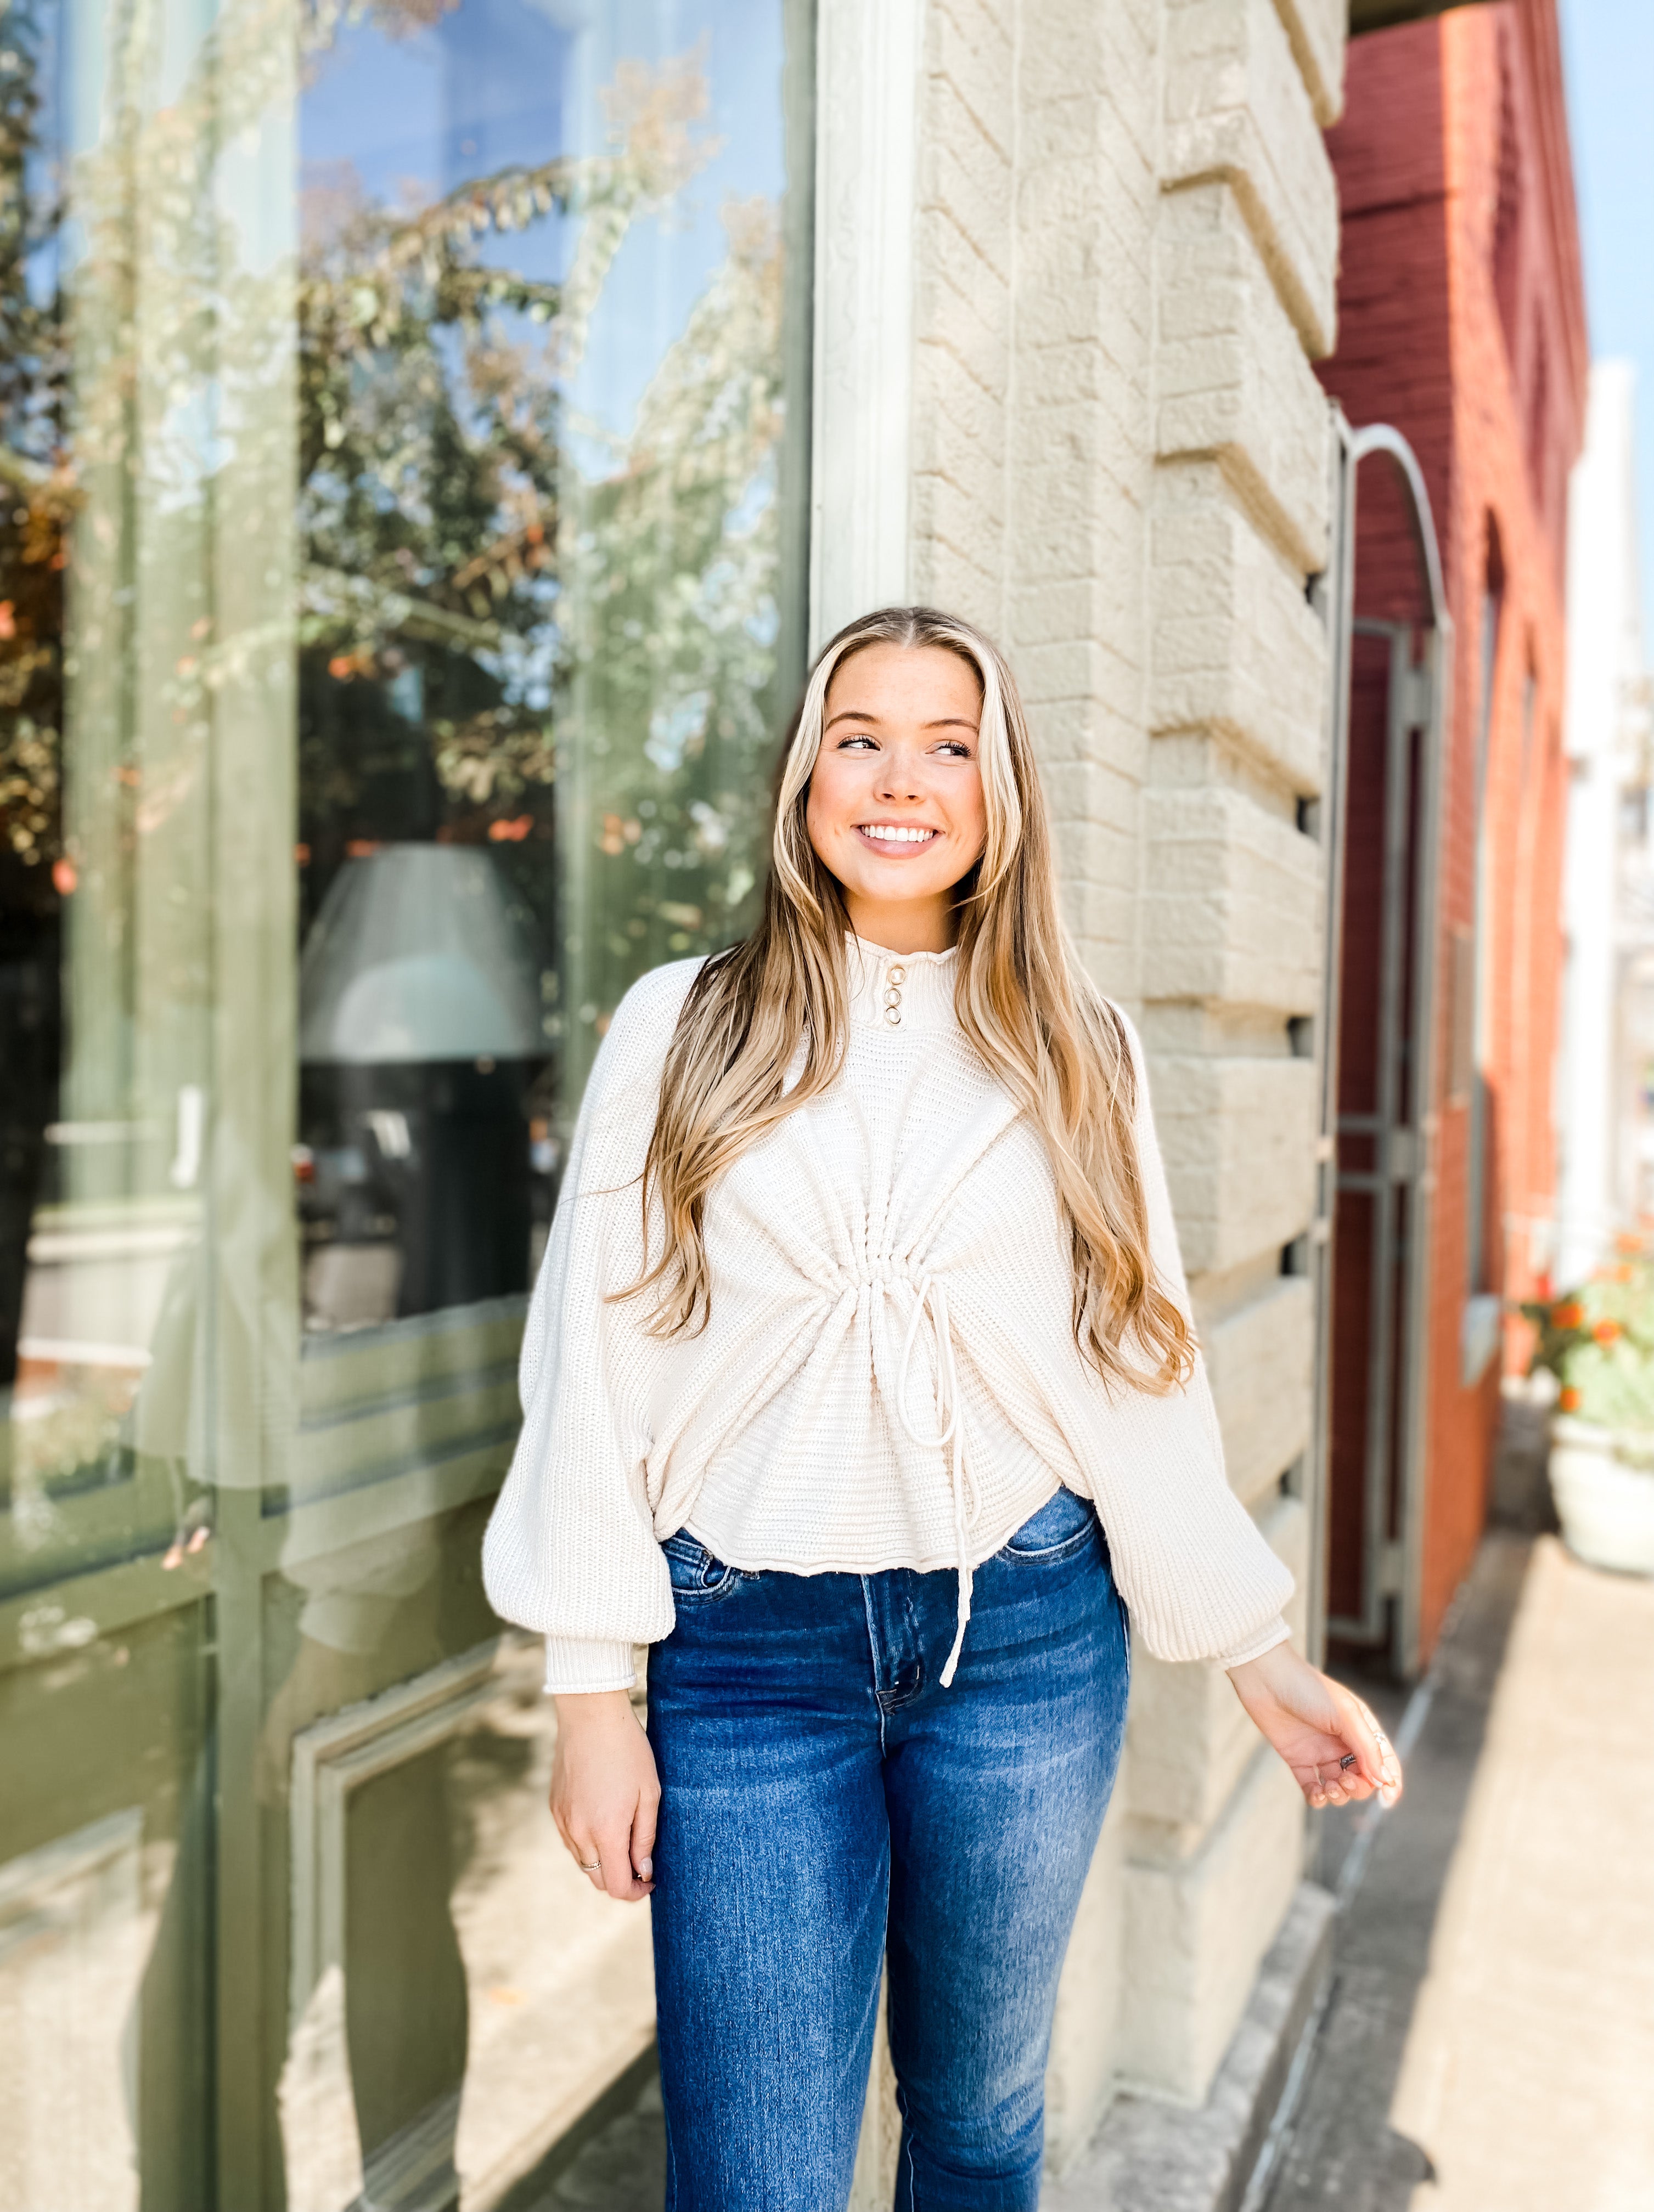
(933, 1294)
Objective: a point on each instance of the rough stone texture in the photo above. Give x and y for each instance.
(1237, 650)
(1318, 31)
(1154, 2157)
(1232, 380)
(1259, 1358)
(1196, 1931)
(964, 256)
(1190, 1741)
(1231, 901)
(1080, 452)
(1238, 1138)
(1236, 107)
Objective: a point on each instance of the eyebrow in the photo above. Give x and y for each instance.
(942, 722)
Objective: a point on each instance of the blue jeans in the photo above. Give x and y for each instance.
(826, 1805)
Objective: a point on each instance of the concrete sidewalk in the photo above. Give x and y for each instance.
(1488, 2046)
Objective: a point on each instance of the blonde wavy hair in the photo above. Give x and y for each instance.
(1021, 997)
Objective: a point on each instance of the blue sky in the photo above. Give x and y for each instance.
(1608, 53)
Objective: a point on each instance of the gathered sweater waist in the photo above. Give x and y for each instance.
(887, 1375)
(872, 1276)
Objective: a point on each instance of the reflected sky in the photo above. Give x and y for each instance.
(406, 116)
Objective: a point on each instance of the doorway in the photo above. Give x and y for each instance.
(1391, 655)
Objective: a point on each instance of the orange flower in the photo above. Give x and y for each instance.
(1568, 1402)
(1568, 1315)
(1605, 1331)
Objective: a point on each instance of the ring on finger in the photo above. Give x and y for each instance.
(595, 1867)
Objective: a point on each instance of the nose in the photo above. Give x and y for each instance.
(899, 776)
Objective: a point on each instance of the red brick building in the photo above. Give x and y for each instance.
(1461, 322)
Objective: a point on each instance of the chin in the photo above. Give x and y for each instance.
(897, 885)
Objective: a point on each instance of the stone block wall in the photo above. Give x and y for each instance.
(1124, 260)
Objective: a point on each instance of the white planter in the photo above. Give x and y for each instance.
(1603, 1485)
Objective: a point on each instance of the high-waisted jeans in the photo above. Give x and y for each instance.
(827, 1807)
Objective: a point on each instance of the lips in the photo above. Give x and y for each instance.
(897, 837)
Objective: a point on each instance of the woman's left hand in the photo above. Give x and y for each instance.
(1316, 1723)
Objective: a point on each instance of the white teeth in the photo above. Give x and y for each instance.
(888, 835)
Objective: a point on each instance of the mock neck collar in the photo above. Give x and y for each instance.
(917, 986)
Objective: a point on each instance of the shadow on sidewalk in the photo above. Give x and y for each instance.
(1342, 2149)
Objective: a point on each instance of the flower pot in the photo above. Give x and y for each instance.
(1603, 1481)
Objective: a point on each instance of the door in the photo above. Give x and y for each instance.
(402, 423)
(1391, 650)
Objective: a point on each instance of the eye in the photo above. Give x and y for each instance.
(859, 738)
(956, 748)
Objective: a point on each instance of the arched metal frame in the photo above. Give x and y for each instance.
(1404, 1153)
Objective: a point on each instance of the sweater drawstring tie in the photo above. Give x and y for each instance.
(951, 1439)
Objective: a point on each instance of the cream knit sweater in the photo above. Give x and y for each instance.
(888, 1377)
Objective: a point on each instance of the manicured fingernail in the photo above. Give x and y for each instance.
(645, 1870)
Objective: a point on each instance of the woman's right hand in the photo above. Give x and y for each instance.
(605, 1793)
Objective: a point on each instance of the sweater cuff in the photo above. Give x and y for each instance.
(578, 1664)
(1256, 1646)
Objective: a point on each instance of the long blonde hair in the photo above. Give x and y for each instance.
(1021, 997)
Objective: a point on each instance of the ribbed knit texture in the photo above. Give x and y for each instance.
(777, 1435)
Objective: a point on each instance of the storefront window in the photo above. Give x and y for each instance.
(403, 448)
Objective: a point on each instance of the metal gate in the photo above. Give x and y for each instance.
(1380, 824)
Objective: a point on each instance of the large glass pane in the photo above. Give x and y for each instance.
(402, 456)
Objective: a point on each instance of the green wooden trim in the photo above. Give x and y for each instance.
(86, 1530)
(61, 1617)
(339, 1373)
(392, 1437)
(352, 1516)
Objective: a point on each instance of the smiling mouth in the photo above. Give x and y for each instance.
(891, 836)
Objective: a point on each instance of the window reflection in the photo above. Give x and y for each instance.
(542, 416)
(401, 585)
(420, 1044)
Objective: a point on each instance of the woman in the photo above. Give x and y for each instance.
(860, 1382)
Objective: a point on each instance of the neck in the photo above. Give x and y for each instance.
(904, 924)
